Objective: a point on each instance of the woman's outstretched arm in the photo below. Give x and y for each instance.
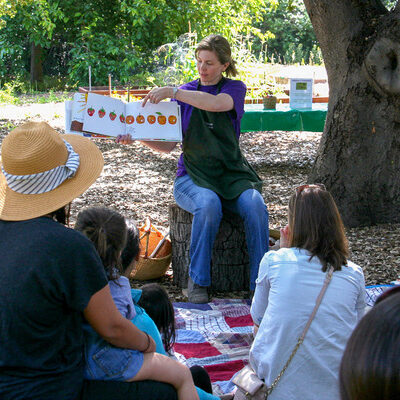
(205, 101)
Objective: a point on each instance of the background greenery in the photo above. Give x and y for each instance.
(49, 44)
(139, 39)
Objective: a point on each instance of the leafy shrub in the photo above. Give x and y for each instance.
(7, 96)
(112, 37)
(292, 38)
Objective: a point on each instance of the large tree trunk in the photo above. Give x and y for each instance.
(36, 63)
(359, 154)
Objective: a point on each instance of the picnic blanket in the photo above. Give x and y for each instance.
(218, 336)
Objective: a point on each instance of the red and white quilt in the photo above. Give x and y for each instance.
(218, 336)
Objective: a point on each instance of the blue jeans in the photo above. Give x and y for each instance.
(206, 207)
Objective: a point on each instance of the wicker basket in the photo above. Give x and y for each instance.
(152, 267)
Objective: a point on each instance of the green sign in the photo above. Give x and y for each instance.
(301, 85)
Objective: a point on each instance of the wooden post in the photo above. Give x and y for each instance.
(90, 78)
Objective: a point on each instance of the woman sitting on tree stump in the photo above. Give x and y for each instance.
(212, 172)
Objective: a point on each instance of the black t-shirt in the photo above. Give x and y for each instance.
(48, 274)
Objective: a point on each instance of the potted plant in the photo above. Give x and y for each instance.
(269, 102)
(269, 92)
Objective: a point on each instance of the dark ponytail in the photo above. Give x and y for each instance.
(106, 229)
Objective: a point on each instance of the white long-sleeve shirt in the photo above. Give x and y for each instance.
(286, 289)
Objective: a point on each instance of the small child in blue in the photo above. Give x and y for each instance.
(107, 230)
(155, 313)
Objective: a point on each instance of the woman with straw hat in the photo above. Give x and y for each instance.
(51, 275)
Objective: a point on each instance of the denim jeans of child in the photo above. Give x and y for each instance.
(206, 207)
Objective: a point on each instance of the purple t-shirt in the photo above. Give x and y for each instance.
(236, 89)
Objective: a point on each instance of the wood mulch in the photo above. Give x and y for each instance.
(137, 182)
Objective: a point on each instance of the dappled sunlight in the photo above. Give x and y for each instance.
(138, 182)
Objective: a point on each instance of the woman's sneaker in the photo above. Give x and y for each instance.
(196, 293)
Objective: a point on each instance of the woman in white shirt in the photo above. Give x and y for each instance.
(289, 281)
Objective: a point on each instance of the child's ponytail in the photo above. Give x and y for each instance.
(106, 229)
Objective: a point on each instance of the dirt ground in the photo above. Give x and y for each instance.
(138, 182)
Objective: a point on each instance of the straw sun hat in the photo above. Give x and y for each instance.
(42, 171)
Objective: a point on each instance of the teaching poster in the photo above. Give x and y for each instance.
(300, 94)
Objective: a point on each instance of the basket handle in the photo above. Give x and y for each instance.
(147, 226)
(147, 230)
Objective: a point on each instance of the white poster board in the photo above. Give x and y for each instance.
(98, 115)
(301, 91)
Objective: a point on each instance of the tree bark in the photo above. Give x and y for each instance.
(359, 154)
(230, 261)
(36, 63)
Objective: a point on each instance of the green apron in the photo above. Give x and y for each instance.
(212, 155)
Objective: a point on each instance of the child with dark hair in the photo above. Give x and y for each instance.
(155, 312)
(107, 230)
(155, 301)
(370, 366)
(129, 257)
(131, 251)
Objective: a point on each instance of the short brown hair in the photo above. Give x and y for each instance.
(315, 225)
(220, 46)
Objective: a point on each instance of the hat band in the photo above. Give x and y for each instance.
(46, 181)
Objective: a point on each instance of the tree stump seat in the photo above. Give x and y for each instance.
(230, 261)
